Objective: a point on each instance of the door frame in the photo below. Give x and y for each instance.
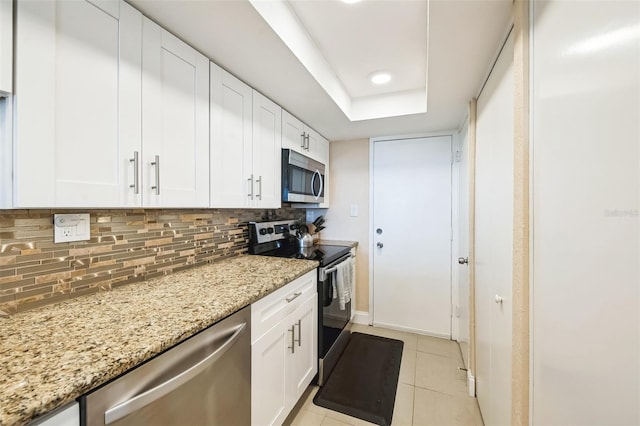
(454, 217)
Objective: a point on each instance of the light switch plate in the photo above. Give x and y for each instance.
(354, 210)
(71, 227)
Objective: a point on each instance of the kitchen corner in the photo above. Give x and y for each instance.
(53, 354)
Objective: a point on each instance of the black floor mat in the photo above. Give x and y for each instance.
(364, 381)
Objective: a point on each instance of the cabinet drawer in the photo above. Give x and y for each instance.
(270, 310)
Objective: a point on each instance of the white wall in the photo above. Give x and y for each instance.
(586, 220)
(349, 185)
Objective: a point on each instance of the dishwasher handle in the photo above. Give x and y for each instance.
(137, 402)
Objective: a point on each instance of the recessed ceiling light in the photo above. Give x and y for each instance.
(380, 77)
(350, 1)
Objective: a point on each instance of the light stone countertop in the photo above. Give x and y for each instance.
(52, 355)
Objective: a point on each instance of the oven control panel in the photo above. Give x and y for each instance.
(264, 232)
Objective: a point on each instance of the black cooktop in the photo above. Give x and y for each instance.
(321, 253)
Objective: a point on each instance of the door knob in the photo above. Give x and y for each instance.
(379, 231)
(463, 260)
(498, 299)
(380, 245)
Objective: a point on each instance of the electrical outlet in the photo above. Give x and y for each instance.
(71, 227)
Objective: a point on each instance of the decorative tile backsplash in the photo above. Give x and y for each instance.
(126, 246)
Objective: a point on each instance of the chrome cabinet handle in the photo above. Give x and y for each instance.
(295, 295)
(137, 402)
(156, 163)
(498, 299)
(307, 143)
(259, 182)
(293, 339)
(250, 194)
(304, 140)
(136, 164)
(463, 260)
(300, 332)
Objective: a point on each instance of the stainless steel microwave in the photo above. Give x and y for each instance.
(302, 178)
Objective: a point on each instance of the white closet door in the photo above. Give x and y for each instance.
(586, 213)
(494, 241)
(175, 122)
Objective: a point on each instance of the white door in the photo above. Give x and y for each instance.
(175, 121)
(412, 234)
(494, 241)
(232, 180)
(267, 153)
(78, 104)
(463, 244)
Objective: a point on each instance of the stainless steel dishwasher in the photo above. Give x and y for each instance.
(205, 380)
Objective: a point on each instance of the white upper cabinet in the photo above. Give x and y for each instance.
(175, 105)
(78, 107)
(245, 145)
(267, 154)
(6, 46)
(232, 183)
(293, 135)
(303, 139)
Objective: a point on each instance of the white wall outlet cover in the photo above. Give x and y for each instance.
(71, 227)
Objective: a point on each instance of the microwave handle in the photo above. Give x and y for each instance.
(313, 179)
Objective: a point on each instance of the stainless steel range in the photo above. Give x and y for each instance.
(334, 328)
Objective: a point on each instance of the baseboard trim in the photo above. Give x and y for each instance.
(360, 317)
(471, 382)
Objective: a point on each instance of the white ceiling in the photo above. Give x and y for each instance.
(314, 56)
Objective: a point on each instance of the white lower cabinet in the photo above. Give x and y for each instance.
(69, 415)
(284, 350)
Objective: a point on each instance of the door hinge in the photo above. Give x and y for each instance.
(458, 156)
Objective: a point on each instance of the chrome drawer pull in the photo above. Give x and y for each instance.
(299, 332)
(292, 298)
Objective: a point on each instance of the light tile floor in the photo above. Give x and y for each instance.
(431, 389)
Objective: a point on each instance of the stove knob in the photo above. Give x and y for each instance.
(293, 227)
(270, 230)
(263, 231)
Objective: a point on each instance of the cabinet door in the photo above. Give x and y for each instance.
(267, 156)
(175, 96)
(269, 356)
(313, 144)
(6, 46)
(304, 360)
(68, 415)
(292, 133)
(78, 112)
(232, 181)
